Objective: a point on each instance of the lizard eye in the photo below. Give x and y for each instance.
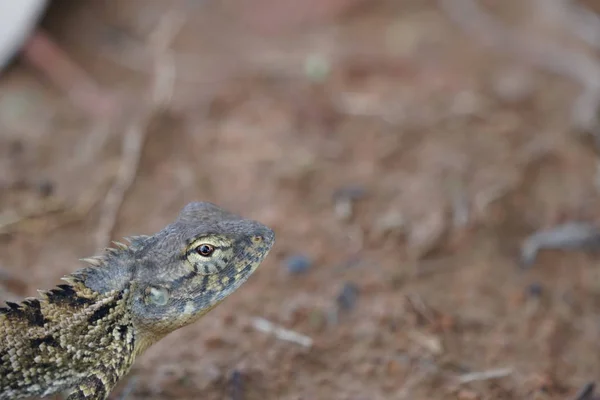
(205, 250)
(157, 295)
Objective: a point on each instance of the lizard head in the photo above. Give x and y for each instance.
(195, 263)
(180, 273)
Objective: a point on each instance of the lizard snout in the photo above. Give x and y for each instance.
(264, 235)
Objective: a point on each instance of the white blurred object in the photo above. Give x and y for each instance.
(18, 19)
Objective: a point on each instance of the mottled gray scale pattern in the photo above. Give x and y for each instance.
(83, 336)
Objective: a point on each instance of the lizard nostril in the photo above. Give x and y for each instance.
(257, 239)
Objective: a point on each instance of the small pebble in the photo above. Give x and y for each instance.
(298, 264)
(513, 85)
(348, 296)
(317, 67)
(534, 290)
(352, 192)
(392, 222)
(344, 199)
(15, 148)
(45, 187)
(343, 209)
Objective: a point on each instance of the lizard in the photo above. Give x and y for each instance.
(81, 337)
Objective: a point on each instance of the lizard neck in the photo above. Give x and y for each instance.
(111, 271)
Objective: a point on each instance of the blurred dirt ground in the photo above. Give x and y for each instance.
(400, 162)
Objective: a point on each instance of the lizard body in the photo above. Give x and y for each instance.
(83, 336)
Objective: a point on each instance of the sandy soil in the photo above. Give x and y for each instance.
(400, 162)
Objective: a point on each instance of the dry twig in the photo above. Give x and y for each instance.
(485, 375)
(46, 56)
(569, 236)
(262, 325)
(587, 392)
(134, 138)
(581, 22)
(10, 220)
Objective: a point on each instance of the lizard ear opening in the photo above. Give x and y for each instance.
(156, 295)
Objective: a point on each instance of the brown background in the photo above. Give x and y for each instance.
(379, 139)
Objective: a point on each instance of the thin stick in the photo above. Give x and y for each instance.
(262, 325)
(580, 21)
(135, 136)
(131, 153)
(42, 53)
(485, 375)
(587, 392)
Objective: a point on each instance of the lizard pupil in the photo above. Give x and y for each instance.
(205, 250)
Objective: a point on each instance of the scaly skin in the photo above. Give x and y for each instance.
(83, 337)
